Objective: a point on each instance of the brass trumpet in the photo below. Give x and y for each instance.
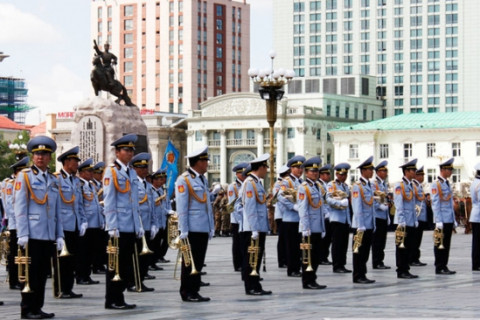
(185, 254)
(400, 234)
(113, 263)
(306, 248)
(56, 277)
(4, 247)
(24, 262)
(253, 251)
(357, 241)
(438, 238)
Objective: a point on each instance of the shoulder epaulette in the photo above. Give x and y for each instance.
(186, 174)
(56, 174)
(112, 164)
(304, 183)
(26, 170)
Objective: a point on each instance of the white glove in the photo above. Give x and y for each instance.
(184, 235)
(254, 235)
(324, 234)
(22, 241)
(295, 207)
(455, 223)
(171, 212)
(403, 224)
(306, 233)
(140, 233)
(114, 233)
(361, 229)
(211, 234)
(416, 224)
(60, 244)
(383, 207)
(344, 202)
(439, 225)
(153, 232)
(83, 228)
(102, 226)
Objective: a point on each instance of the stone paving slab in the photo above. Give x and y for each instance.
(430, 296)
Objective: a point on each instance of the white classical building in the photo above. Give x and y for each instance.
(235, 128)
(431, 138)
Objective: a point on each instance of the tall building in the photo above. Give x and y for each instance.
(174, 54)
(424, 53)
(13, 99)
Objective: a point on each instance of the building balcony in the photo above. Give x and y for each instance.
(241, 142)
(214, 167)
(266, 142)
(214, 143)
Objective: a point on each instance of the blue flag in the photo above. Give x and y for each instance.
(170, 160)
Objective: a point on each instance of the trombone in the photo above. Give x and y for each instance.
(24, 262)
(112, 252)
(306, 248)
(136, 270)
(253, 251)
(438, 238)
(56, 276)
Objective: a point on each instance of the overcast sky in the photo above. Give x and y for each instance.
(49, 45)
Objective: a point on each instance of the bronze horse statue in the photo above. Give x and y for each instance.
(100, 83)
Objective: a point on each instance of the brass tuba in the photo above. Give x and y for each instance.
(400, 234)
(438, 238)
(357, 241)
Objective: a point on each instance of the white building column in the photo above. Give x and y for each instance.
(223, 156)
(280, 147)
(154, 146)
(260, 149)
(204, 137)
(190, 141)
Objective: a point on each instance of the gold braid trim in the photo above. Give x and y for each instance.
(235, 189)
(115, 182)
(191, 192)
(87, 197)
(61, 194)
(440, 194)
(404, 195)
(310, 201)
(256, 194)
(32, 194)
(143, 200)
(416, 194)
(368, 203)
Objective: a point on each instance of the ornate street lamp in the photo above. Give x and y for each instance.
(20, 150)
(271, 84)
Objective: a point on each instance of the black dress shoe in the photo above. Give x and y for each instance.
(1, 303)
(238, 269)
(342, 270)
(203, 273)
(260, 292)
(31, 315)
(282, 266)
(204, 284)
(381, 267)
(163, 260)
(154, 268)
(15, 286)
(143, 289)
(363, 281)
(99, 271)
(473, 269)
(196, 298)
(406, 275)
(123, 306)
(87, 281)
(295, 274)
(149, 277)
(46, 315)
(325, 263)
(313, 285)
(146, 289)
(445, 271)
(417, 264)
(70, 295)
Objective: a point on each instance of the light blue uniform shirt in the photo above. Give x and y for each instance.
(254, 197)
(362, 205)
(310, 207)
(404, 199)
(442, 201)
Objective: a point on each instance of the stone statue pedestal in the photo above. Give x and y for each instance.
(98, 122)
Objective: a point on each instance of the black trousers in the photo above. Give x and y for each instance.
(417, 235)
(164, 241)
(311, 276)
(402, 254)
(12, 267)
(236, 246)
(155, 246)
(114, 289)
(475, 245)
(379, 239)
(281, 244)
(91, 249)
(190, 283)
(360, 259)
(326, 242)
(251, 282)
(144, 260)
(68, 263)
(40, 252)
(441, 255)
(293, 239)
(340, 235)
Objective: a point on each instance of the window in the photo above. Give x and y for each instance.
(128, 11)
(198, 135)
(128, 81)
(319, 137)
(128, 53)
(431, 175)
(128, 25)
(353, 151)
(431, 149)
(478, 149)
(407, 151)
(383, 151)
(128, 66)
(290, 133)
(128, 38)
(456, 149)
(456, 174)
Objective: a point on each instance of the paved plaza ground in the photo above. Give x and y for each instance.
(430, 296)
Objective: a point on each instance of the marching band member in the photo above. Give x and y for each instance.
(444, 216)
(405, 218)
(74, 221)
(160, 240)
(414, 259)
(340, 220)
(38, 222)
(195, 220)
(363, 220)
(324, 179)
(97, 182)
(255, 223)
(290, 216)
(312, 224)
(91, 246)
(382, 218)
(122, 218)
(475, 219)
(279, 209)
(232, 192)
